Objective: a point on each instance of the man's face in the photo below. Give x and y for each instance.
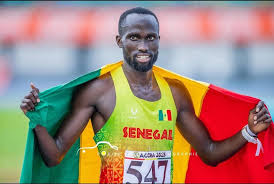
(139, 41)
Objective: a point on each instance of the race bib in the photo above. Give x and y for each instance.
(147, 167)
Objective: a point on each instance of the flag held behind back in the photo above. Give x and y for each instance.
(213, 106)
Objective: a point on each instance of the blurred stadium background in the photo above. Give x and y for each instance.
(229, 44)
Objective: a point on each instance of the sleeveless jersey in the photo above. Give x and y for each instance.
(138, 137)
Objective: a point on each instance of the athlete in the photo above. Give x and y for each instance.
(124, 108)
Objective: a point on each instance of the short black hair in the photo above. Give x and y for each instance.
(137, 10)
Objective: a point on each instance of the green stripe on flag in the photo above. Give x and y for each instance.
(161, 116)
(53, 106)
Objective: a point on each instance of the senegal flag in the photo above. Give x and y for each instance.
(165, 115)
(224, 113)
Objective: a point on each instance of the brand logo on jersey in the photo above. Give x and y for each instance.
(134, 111)
(165, 115)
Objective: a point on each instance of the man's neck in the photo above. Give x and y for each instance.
(136, 77)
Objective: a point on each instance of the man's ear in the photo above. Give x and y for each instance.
(119, 41)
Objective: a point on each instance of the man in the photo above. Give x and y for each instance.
(123, 105)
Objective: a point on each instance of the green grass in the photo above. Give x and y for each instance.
(13, 135)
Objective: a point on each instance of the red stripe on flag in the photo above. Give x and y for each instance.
(224, 113)
(168, 115)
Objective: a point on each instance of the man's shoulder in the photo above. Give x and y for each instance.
(180, 92)
(95, 88)
(102, 82)
(176, 85)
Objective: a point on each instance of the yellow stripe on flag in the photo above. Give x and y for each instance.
(89, 161)
(165, 115)
(105, 69)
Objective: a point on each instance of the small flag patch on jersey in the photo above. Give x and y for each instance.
(165, 115)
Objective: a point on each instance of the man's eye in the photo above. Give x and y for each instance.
(133, 38)
(151, 38)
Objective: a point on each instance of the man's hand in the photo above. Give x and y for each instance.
(31, 100)
(259, 118)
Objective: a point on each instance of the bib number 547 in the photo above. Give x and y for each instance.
(147, 171)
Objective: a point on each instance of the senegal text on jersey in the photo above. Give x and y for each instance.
(133, 132)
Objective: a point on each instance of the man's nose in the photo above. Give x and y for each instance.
(142, 46)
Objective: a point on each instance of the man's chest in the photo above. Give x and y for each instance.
(108, 101)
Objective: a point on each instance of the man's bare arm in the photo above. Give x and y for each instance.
(211, 152)
(82, 108)
(191, 127)
(53, 149)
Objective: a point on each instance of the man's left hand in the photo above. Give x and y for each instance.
(259, 118)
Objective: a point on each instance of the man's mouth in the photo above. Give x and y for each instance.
(143, 58)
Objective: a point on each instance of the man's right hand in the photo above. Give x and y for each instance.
(31, 100)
